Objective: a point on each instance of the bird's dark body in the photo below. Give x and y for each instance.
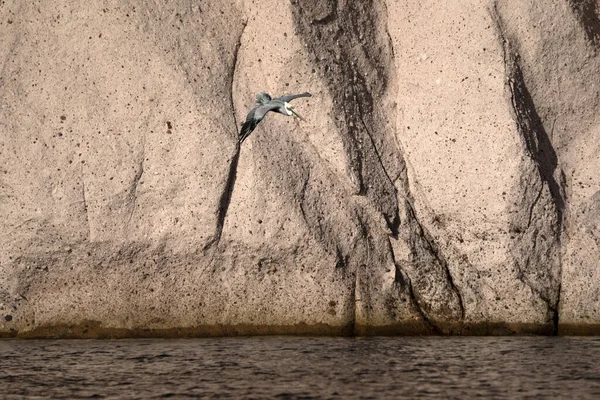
(264, 104)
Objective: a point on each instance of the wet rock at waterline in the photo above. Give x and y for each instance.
(445, 180)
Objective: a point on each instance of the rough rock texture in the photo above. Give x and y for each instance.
(446, 180)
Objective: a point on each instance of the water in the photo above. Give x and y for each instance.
(302, 368)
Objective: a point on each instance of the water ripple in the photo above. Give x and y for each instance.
(302, 368)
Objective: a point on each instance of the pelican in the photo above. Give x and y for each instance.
(264, 104)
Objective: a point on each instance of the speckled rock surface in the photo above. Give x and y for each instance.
(445, 180)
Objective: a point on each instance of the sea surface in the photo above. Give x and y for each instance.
(302, 368)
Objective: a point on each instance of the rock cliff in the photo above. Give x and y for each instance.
(446, 180)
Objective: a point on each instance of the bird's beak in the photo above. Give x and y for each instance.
(296, 114)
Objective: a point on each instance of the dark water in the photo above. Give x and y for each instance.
(302, 368)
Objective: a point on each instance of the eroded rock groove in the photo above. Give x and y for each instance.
(537, 255)
(225, 198)
(436, 292)
(357, 77)
(587, 12)
(346, 70)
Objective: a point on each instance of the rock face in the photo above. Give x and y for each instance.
(446, 180)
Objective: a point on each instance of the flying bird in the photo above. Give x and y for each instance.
(264, 104)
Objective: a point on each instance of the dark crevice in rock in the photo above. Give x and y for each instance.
(394, 223)
(85, 209)
(533, 204)
(387, 32)
(136, 180)
(399, 278)
(358, 74)
(588, 14)
(234, 65)
(537, 251)
(342, 260)
(404, 285)
(353, 303)
(225, 198)
(435, 289)
(556, 310)
(355, 75)
(530, 125)
(302, 199)
(417, 301)
(536, 138)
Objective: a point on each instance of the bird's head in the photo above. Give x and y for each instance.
(290, 110)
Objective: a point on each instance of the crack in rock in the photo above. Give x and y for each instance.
(85, 209)
(417, 301)
(537, 245)
(587, 12)
(136, 180)
(354, 76)
(357, 75)
(225, 198)
(404, 285)
(431, 281)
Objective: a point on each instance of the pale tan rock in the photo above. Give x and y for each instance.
(445, 180)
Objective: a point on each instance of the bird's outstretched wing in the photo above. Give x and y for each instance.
(262, 98)
(247, 128)
(291, 97)
(253, 118)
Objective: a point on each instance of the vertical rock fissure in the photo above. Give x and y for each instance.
(537, 253)
(393, 224)
(354, 305)
(533, 204)
(136, 180)
(357, 75)
(225, 198)
(234, 67)
(417, 302)
(537, 141)
(587, 12)
(302, 199)
(432, 266)
(406, 286)
(322, 26)
(85, 209)
(423, 241)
